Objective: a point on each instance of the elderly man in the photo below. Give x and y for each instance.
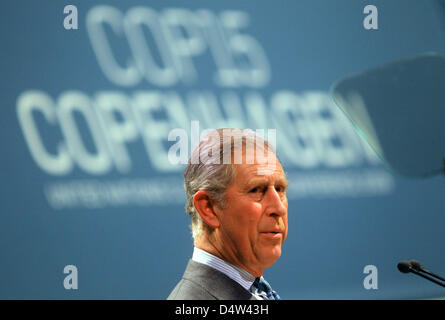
(238, 210)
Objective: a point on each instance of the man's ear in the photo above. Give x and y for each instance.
(204, 205)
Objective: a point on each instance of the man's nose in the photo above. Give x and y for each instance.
(275, 202)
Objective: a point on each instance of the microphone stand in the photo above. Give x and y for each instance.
(419, 273)
(415, 265)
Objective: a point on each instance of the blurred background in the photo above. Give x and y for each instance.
(85, 119)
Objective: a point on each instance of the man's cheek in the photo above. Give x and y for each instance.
(285, 234)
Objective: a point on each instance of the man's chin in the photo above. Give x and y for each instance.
(271, 255)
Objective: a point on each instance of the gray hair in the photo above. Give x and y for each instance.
(209, 170)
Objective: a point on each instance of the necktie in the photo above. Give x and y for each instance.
(261, 287)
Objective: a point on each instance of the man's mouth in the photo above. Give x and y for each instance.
(272, 234)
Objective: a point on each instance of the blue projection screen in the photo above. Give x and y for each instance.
(87, 106)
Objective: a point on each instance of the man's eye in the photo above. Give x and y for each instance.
(256, 190)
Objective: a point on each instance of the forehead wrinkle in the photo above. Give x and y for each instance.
(277, 174)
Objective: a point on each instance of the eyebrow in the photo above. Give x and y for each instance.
(265, 181)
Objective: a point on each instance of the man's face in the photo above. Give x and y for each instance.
(253, 225)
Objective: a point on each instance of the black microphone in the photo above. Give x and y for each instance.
(415, 267)
(404, 266)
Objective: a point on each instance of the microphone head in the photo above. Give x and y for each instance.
(415, 265)
(404, 266)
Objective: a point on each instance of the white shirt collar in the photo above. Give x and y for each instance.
(244, 278)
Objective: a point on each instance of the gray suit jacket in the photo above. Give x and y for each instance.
(201, 282)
